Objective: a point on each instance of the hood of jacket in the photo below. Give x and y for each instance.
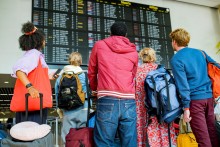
(72, 68)
(120, 44)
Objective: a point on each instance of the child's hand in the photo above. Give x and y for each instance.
(52, 76)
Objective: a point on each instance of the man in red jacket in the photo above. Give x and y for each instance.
(112, 68)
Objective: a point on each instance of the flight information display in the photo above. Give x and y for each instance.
(75, 25)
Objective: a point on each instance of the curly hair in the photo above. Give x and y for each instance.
(147, 55)
(32, 37)
(119, 29)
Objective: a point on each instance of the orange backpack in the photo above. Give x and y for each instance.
(214, 75)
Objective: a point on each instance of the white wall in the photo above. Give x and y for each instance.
(202, 23)
(13, 13)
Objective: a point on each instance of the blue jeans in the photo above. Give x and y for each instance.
(115, 114)
(75, 118)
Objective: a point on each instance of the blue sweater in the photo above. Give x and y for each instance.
(189, 68)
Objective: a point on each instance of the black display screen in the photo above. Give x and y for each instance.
(75, 25)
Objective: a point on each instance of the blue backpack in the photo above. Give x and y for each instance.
(162, 98)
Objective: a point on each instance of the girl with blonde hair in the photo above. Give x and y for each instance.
(149, 133)
(73, 118)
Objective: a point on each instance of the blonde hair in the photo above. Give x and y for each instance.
(181, 36)
(147, 55)
(75, 58)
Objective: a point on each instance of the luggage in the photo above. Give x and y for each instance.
(187, 138)
(71, 95)
(162, 98)
(214, 75)
(81, 137)
(54, 122)
(78, 137)
(46, 141)
(3, 135)
(91, 122)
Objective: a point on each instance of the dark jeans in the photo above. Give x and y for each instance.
(32, 116)
(114, 114)
(203, 122)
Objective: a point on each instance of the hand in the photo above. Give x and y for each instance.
(94, 93)
(60, 113)
(186, 116)
(52, 76)
(33, 92)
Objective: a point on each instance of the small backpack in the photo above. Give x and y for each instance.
(70, 95)
(162, 99)
(214, 75)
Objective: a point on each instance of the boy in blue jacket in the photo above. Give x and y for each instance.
(74, 118)
(194, 86)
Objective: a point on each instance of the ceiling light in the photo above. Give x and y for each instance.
(6, 82)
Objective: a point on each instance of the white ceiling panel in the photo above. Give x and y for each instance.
(209, 3)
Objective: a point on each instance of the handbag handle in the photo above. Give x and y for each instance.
(187, 127)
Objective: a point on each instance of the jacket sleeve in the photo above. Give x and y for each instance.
(181, 82)
(93, 68)
(56, 88)
(82, 79)
(135, 67)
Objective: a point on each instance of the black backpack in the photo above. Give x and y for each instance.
(70, 94)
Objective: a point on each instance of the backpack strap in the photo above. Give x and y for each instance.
(156, 99)
(169, 107)
(168, 92)
(155, 92)
(169, 137)
(61, 79)
(70, 75)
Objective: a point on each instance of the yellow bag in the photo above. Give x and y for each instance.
(186, 138)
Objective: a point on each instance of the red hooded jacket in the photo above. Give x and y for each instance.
(112, 67)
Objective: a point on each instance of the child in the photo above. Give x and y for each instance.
(76, 117)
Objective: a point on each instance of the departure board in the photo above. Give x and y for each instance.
(75, 25)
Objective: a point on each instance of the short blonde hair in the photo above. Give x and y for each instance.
(147, 55)
(75, 58)
(181, 36)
